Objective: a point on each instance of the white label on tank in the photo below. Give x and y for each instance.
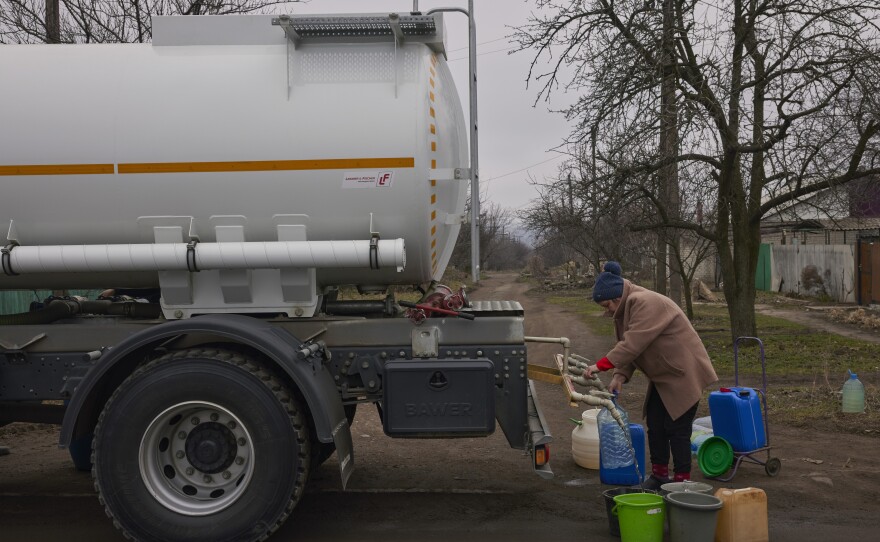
(360, 179)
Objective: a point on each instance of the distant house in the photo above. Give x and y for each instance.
(823, 231)
(824, 245)
(839, 217)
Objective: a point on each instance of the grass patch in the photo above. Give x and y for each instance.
(590, 312)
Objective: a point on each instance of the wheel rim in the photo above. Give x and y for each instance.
(196, 458)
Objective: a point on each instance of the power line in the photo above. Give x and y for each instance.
(486, 53)
(483, 43)
(523, 169)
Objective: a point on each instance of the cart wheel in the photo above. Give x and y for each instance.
(773, 466)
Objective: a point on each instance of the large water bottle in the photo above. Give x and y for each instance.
(853, 394)
(585, 440)
(614, 441)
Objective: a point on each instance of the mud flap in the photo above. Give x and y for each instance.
(539, 436)
(344, 450)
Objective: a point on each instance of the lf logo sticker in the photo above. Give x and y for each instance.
(384, 178)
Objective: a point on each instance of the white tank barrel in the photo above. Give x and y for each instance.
(224, 123)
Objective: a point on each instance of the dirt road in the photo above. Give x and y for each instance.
(473, 489)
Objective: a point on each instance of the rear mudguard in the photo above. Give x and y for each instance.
(308, 373)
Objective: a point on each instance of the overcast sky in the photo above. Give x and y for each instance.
(515, 135)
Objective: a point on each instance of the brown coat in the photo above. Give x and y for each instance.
(655, 336)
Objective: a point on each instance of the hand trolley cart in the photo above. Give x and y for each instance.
(740, 427)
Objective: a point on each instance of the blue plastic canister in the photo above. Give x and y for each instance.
(736, 416)
(627, 476)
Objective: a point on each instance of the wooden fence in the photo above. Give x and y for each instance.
(823, 271)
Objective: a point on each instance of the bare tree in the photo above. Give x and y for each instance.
(775, 104)
(500, 248)
(106, 21)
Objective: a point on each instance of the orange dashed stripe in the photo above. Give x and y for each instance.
(433, 129)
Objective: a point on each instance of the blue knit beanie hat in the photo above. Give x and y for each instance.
(609, 285)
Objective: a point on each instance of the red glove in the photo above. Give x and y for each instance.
(604, 364)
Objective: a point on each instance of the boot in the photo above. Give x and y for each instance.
(659, 476)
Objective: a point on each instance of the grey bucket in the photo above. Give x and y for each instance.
(692, 516)
(687, 485)
(609, 494)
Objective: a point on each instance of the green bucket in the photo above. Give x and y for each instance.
(715, 456)
(641, 516)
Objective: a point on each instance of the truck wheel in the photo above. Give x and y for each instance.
(200, 444)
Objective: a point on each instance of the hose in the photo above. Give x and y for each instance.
(358, 308)
(600, 396)
(64, 308)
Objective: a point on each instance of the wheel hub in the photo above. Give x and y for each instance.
(196, 458)
(211, 447)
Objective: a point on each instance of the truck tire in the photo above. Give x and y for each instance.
(200, 445)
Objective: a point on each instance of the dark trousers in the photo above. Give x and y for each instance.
(665, 434)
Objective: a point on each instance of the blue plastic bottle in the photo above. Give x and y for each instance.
(628, 475)
(614, 442)
(853, 394)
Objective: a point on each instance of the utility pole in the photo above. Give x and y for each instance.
(668, 175)
(53, 22)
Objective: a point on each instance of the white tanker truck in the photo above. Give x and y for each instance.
(243, 168)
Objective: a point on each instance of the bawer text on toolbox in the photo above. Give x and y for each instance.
(438, 409)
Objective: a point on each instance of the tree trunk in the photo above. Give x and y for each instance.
(668, 176)
(738, 249)
(737, 233)
(660, 268)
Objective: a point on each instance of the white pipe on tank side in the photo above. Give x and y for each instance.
(205, 256)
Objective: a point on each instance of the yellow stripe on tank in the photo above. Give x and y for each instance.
(266, 165)
(207, 167)
(57, 169)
